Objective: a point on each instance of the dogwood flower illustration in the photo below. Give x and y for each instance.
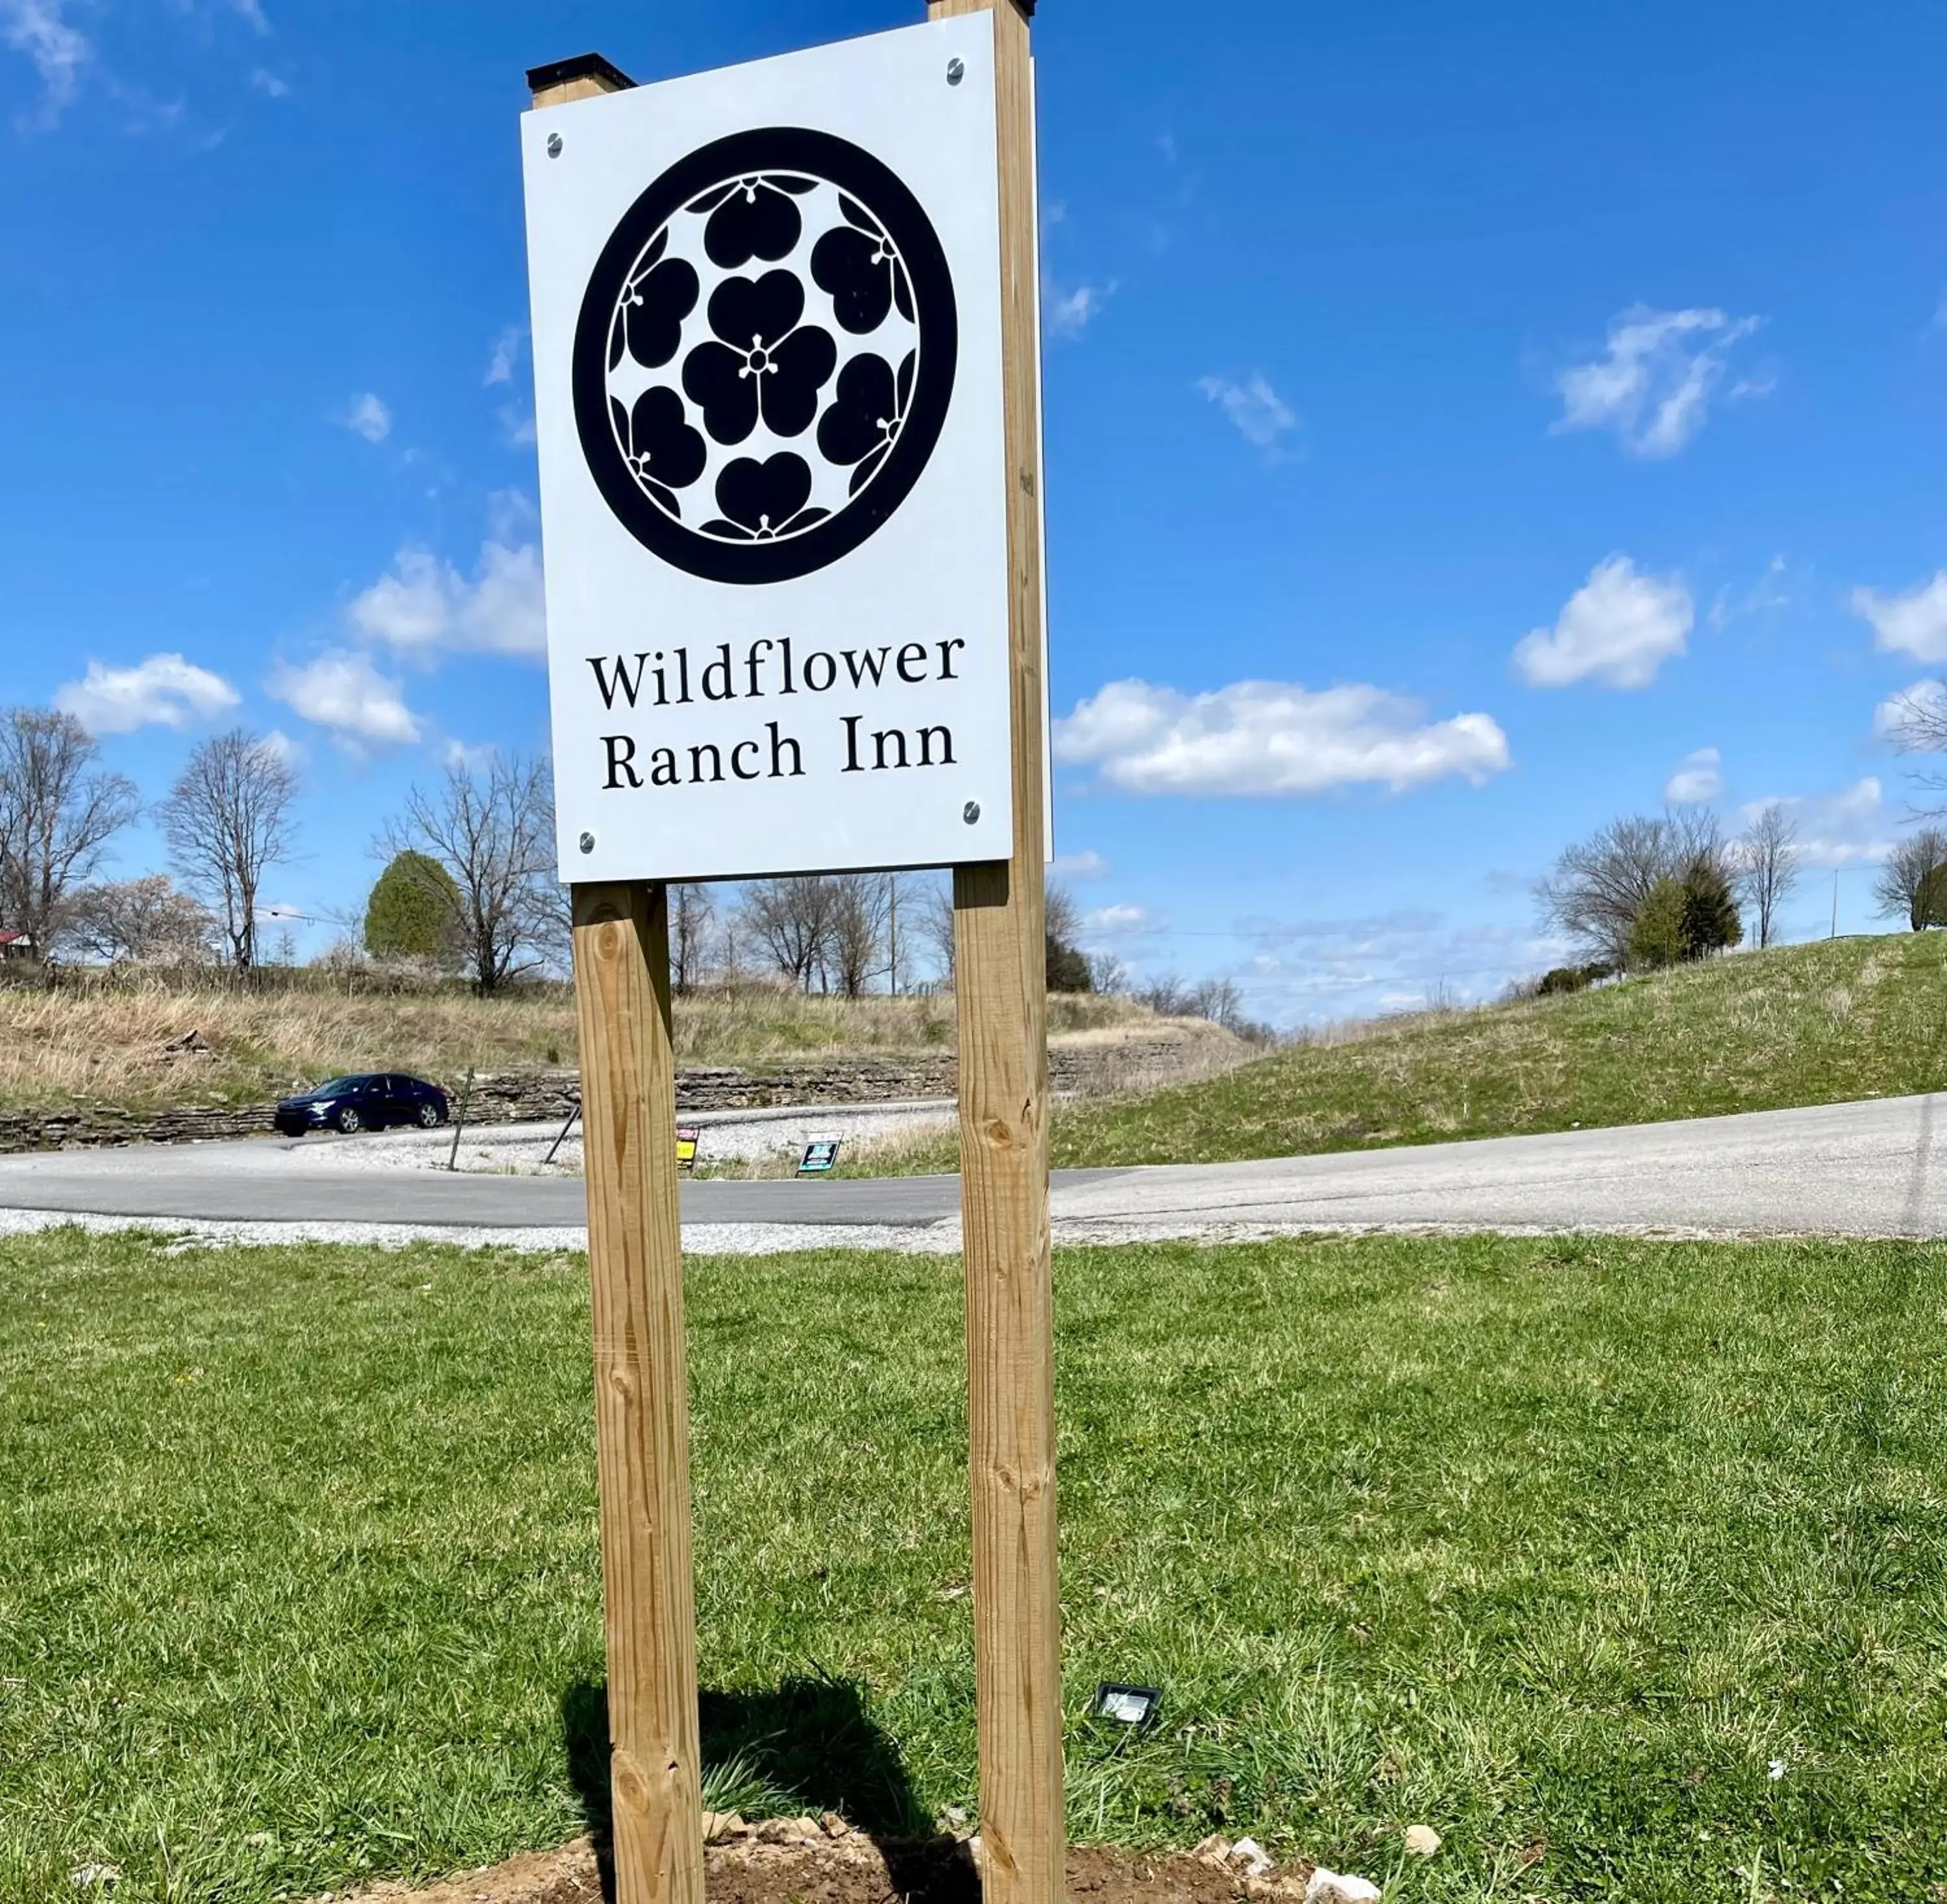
(752, 218)
(760, 360)
(862, 422)
(857, 264)
(763, 500)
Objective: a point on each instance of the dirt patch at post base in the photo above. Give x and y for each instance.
(852, 1869)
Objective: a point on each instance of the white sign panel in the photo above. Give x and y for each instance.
(767, 367)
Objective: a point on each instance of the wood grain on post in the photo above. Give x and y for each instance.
(641, 1375)
(642, 1394)
(1000, 987)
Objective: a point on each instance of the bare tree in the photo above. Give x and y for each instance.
(1919, 725)
(1906, 885)
(1064, 916)
(493, 831)
(855, 943)
(929, 917)
(1767, 865)
(692, 911)
(901, 893)
(228, 822)
(732, 947)
(791, 920)
(57, 813)
(143, 921)
(933, 916)
(1597, 889)
(1217, 999)
(1067, 967)
(1107, 974)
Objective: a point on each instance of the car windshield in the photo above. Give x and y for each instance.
(332, 1084)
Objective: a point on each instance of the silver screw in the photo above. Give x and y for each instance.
(588, 843)
(554, 145)
(970, 812)
(956, 71)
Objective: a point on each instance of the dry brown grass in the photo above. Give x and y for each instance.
(106, 1044)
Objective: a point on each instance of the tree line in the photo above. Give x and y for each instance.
(1651, 890)
(227, 824)
(468, 887)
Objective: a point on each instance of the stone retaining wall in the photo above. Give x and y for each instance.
(535, 1097)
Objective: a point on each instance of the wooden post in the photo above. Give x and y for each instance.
(1001, 993)
(642, 1381)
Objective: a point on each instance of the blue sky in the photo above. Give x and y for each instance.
(1463, 424)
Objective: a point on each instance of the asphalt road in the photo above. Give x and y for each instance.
(1859, 1169)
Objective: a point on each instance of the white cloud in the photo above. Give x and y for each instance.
(504, 355)
(517, 425)
(1894, 715)
(1090, 864)
(1272, 737)
(1772, 590)
(252, 11)
(59, 52)
(367, 415)
(164, 691)
(1654, 385)
(471, 760)
(1618, 628)
(1913, 624)
(268, 84)
(1117, 918)
(1259, 413)
(510, 514)
(343, 691)
(425, 604)
(1699, 779)
(281, 748)
(1068, 313)
(1849, 827)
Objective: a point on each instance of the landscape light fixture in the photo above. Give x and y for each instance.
(1133, 1706)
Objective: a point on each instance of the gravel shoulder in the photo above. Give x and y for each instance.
(775, 1138)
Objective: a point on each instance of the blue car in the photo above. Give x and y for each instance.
(364, 1102)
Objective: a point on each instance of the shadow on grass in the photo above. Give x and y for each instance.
(807, 1746)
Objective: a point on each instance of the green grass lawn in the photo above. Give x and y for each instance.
(1812, 1024)
(1623, 1564)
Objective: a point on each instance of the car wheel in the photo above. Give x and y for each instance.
(349, 1122)
(429, 1116)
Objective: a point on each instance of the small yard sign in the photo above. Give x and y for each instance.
(686, 1137)
(766, 309)
(819, 1157)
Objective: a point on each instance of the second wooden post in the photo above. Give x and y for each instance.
(1000, 986)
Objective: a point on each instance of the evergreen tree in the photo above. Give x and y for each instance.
(1711, 923)
(1930, 900)
(413, 912)
(1656, 939)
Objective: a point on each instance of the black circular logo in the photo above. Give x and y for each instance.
(765, 355)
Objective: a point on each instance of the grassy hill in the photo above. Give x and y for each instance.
(109, 1043)
(1808, 1024)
